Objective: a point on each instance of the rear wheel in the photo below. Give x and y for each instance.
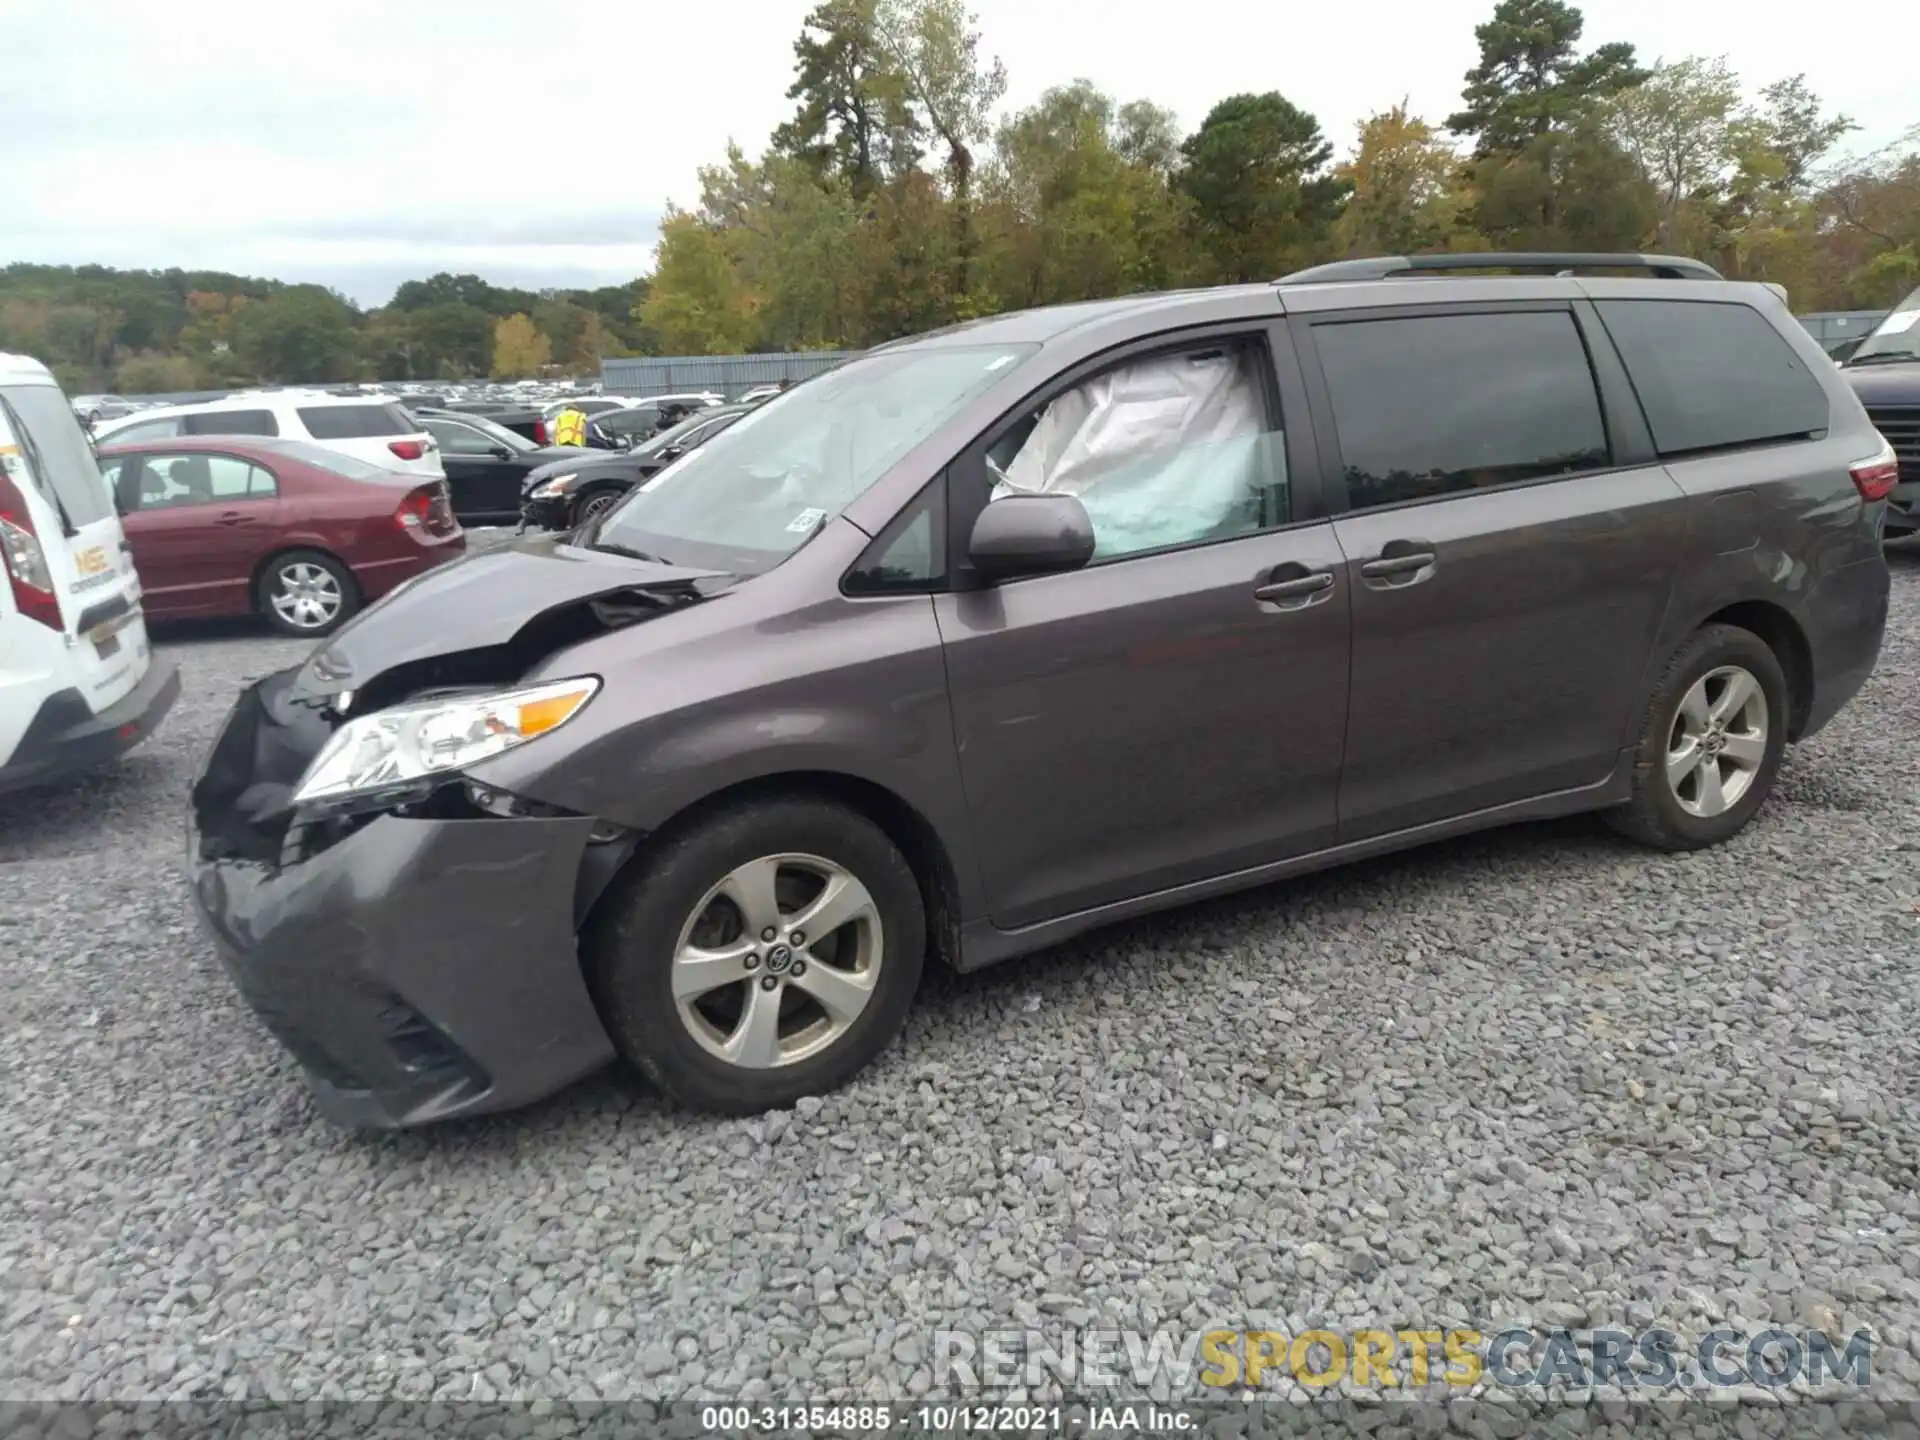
(1710, 742)
(304, 592)
(766, 953)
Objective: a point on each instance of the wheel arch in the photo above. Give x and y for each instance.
(898, 819)
(1775, 625)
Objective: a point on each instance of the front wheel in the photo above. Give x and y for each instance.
(1710, 742)
(594, 504)
(768, 952)
(307, 593)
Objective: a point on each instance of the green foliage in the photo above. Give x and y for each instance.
(1531, 81)
(1262, 200)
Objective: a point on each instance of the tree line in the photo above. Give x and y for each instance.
(899, 197)
(142, 332)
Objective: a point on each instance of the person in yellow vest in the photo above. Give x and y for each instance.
(570, 427)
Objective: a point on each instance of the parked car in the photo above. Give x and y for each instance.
(527, 423)
(579, 486)
(759, 393)
(78, 684)
(1884, 371)
(995, 635)
(298, 534)
(92, 409)
(375, 432)
(486, 465)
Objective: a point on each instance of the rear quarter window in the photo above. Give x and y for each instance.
(1713, 375)
(356, 422)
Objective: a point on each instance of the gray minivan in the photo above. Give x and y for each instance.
(1034, 623)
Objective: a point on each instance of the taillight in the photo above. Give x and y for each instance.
(407, 449)
(27, 571)
(540, 432)
(416, 508)
(1876, 476)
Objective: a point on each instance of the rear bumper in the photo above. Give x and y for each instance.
(377, 577)
(1845, 619)
(66, 737)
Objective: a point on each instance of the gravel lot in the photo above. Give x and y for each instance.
(1536, 1077)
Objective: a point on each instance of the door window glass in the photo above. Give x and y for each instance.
(232, 422)
(457, 439)
(1442, 404)
(167, 482)
(1164, 450)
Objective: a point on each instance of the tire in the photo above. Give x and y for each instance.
(589, 504)
(323, 580)
(1670, 814)
(871, 968)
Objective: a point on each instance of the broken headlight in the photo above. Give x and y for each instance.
(397, 749)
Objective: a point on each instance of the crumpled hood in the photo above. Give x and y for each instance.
(484, 600)
(1890, 383)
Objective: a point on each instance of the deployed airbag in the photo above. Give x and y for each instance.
(1166, 451)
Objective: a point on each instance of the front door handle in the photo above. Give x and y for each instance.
(1292, 589)
(1293, 586)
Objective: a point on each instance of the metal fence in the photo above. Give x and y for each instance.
(729, 374)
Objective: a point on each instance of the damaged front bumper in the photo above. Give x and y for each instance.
(420, 963)
(555, 512)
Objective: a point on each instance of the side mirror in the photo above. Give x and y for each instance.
(672, 452)
(1030, 535)
(500, 452)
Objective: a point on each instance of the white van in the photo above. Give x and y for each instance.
(77, 684)
(372, 429)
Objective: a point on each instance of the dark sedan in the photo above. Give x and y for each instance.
(487, 465)
(587, 483)
(298, 534)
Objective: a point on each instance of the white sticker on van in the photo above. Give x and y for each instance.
(805, 521)
(1897, 322)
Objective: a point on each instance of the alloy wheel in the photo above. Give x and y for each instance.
(777, 961)
(596, 506)
(1718, 741)
(307, 596)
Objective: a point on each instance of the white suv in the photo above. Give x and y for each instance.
(77, 683)
(372, 430)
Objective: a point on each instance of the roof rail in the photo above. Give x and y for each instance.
(1666, 267)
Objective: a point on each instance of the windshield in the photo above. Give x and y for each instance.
(755, 493)
(63, 457)
(1896, 338)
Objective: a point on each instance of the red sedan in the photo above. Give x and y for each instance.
(240, 524)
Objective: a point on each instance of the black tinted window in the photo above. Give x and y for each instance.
(1713, 375)
(231, 422)
(355, 422)
(1436, 404)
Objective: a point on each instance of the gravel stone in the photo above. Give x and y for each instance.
(1534, 1076)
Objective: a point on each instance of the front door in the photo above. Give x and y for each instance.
(1176, 710)
(484, 483)
(197, 524)
(1510, 548)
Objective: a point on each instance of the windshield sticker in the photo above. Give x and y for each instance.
(1895, 323)
(1001, 363)
(805, 521)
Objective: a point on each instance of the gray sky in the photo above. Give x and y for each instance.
(299, 140)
